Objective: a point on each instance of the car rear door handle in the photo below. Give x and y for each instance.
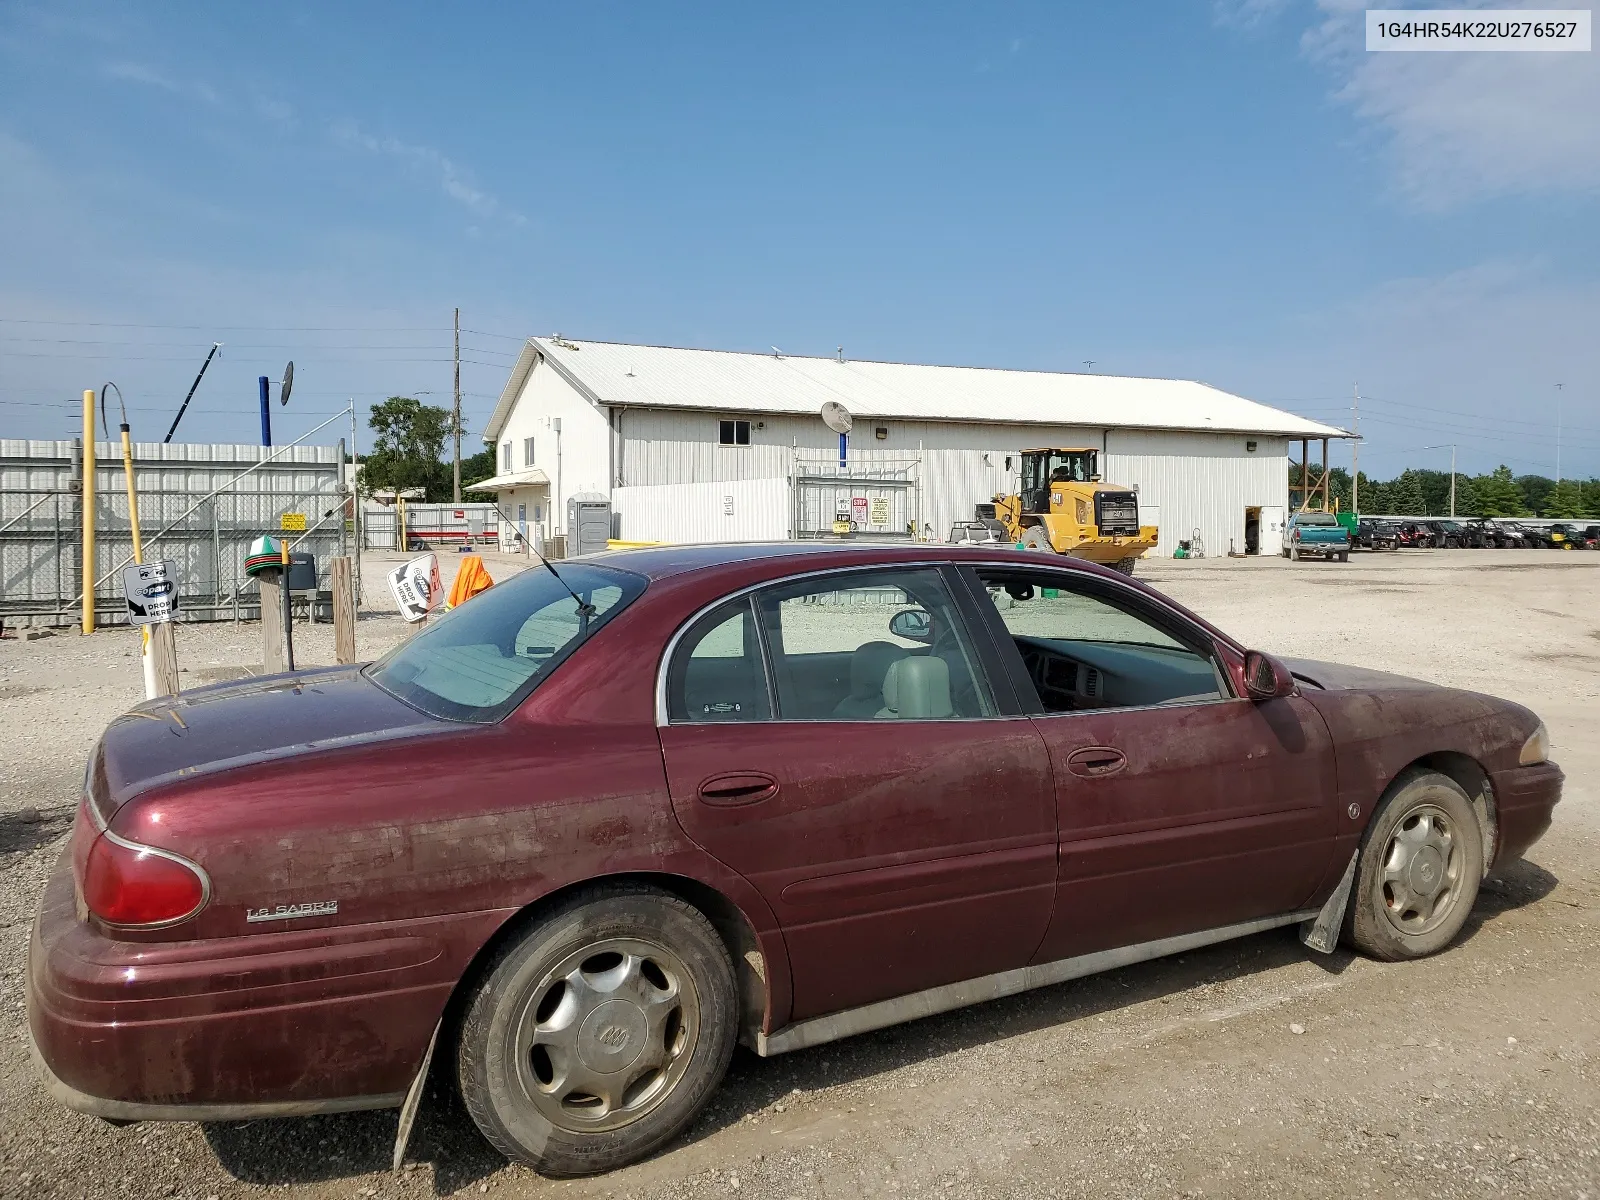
(1091, 762)
(738, 787)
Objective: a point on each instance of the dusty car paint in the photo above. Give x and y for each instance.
(435, 839)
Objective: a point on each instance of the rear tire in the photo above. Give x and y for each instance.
(1420, 867)
(1126, 565)
(1294, 553)
(1036, 537)
(1344, 556)
(596, 1037)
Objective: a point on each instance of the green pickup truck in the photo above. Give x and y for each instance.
(1316, 533)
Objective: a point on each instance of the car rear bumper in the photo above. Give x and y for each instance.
(277, 1024)
(1525, 798)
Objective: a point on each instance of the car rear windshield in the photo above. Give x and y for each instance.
(479, 661)
(1316, 519)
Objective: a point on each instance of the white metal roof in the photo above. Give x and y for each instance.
(610, 373)
(504, 483)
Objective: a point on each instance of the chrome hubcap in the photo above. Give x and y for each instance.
(1421, 877)
(607, 1034)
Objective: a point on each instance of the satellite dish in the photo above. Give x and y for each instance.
(836, 416)
(288, 383)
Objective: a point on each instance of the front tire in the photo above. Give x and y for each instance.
(596, 1037)
(1420, 867)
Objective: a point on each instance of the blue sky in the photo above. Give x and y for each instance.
(1233, 192)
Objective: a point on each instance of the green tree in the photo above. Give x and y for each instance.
(478, 467)
(1374, 496)
(1591, 499)
(1536, 490)
(408, 447)
(1499, 495)
(1405, 495)
(1467, 502)
(1565, 500)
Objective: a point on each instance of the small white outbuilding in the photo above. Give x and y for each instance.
(712, 445)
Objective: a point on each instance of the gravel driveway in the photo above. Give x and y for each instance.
(1253, 1068)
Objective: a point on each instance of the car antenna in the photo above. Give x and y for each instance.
(586, 611)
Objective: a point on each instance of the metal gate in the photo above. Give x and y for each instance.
(258, 491)
(878, 500)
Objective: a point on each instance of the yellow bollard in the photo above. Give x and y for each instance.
(88, 511)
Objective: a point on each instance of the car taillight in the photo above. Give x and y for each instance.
(126, 884)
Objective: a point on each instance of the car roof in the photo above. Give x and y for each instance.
(663, 562)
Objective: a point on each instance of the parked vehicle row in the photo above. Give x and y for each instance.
(1477, 533)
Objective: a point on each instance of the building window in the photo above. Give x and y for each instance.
(505, 457)
(527, 452)
(733, 433)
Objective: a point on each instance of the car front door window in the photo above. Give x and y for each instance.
(1083, 652)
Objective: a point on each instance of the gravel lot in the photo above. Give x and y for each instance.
(1254, 1068)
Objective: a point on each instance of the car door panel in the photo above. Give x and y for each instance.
(896, 856)
(1223, 812)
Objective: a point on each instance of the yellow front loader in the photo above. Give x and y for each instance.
(1064, 508)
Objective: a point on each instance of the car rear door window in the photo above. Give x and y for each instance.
(874, 645)
(1083, 650)
(718, 672)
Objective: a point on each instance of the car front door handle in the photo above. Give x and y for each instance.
(1092, 762)
(738, 787)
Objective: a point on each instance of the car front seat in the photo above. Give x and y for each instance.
(917, 689)
(869, 667)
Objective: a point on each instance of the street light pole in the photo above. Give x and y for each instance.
(1450, 446)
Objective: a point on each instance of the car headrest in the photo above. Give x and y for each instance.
(869, 666)
(917, 688)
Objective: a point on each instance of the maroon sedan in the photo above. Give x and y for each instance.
(589, 830)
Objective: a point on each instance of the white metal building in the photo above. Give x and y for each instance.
(710, 445)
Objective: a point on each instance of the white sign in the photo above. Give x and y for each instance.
(416, 587)
(880, 510)
(858, 509)
(151, 590)
(727, 506)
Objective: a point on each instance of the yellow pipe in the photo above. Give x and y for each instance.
(88, 511)
(133, 522)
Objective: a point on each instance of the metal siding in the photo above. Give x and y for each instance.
(698, 512)
(1200, 482)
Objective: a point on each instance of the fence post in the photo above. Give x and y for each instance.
(272, 583)
(344, 611)
(164, 658)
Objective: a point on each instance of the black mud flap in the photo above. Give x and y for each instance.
(1321, 933)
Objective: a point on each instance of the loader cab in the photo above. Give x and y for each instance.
(1042, 468)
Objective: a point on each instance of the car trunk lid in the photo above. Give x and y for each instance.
(241, 723)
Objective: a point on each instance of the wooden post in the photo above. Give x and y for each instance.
(164, 658)
(272, 583)
(344, 611)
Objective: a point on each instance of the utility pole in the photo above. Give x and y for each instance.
(1559, 386)
(1452, 449)
(1355, 451)
(1452, 481)
(455, 492)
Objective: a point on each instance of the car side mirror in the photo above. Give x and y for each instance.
(1265, 678)
(913, 624)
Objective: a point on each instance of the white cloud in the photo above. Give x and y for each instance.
(1468, 126)
(131, 72)
(455, 182)
(1245, 14)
